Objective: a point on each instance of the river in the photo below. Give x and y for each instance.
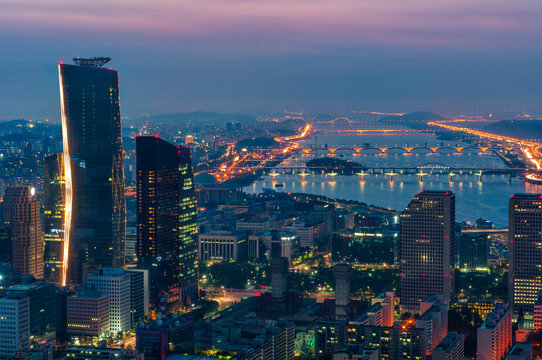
(474, 199)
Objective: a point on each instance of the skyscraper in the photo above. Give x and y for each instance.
(53, 205)
(525, 251)
(342, 273)
(167, 221)
(22, 217)
(427, 248)
(95, 215)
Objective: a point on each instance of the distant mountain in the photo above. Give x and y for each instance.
(523, 129)
(413, 117)
(198, 117)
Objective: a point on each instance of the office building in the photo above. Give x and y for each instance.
(427, 244)
(452, 347)
(53, 216)
(43, 305)
(277, 343)
(525, 251)
(365, 246)
(167, 227)
(117, 284)
(222, 246)
(14, 325)
(253, 227)
(22, 217)
(308, 233)
(473, 251)
(131, 245)
(139, 294)
(494, 336)
(87, 313)
(279, 277)
(330, 337)
(342, 274)
(95, 206)
(165, 336)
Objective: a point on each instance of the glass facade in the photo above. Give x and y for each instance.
(525, 251)
(95, 216)
(54, 187)
(167, 221)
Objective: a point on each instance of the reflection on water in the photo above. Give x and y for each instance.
(474, 199)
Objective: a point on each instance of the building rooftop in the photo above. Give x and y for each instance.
(449, 341)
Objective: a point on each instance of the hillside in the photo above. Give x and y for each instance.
(523, 129)
(197, 117)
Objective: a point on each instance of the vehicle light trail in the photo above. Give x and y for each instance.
(68, 190)
(304, 133)
(485, 134)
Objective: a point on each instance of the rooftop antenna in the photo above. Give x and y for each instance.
(94, 62)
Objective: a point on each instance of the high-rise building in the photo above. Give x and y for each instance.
(279, 277)
(87, 313)
(117, 284)
(14, 325)
(525, 251)
(22, 217)
(95, 206)
(452, 347)
(53, 220)
(167, 239)
(427, 248)
(342, 274)
(44, 309)
(494, 336)
(139, 293)
(473, 250)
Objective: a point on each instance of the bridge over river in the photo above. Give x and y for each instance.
(391, 171)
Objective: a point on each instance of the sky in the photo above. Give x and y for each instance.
(259, 56)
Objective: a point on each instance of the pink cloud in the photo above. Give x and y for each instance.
(288, 24)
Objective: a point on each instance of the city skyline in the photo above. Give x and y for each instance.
(287, 180)
(238, 56)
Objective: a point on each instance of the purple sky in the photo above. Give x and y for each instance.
(271, 55)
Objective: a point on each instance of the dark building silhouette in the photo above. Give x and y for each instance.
(167, 221)
(427, 248)
(5, 245)
(473, 250)
(525, 251)
(53, 218)
(93, 165)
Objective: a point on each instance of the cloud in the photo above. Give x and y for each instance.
(286, 25)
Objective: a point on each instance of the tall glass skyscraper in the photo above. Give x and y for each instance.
(54, 188)
(525, 251)
(95, 215)
(167, 221)
(427, 248)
